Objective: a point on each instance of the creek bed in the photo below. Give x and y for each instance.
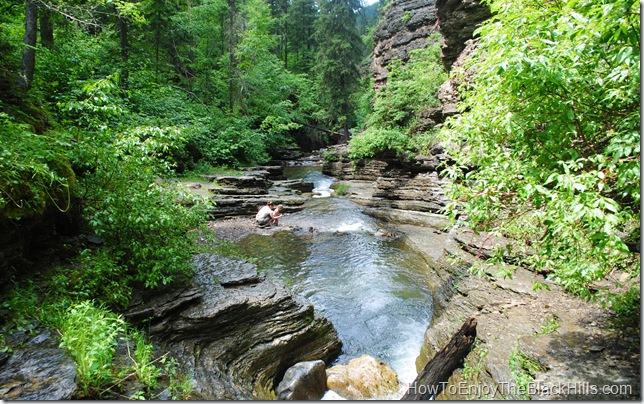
(373, 288)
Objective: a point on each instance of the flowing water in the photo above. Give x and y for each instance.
(372, 288)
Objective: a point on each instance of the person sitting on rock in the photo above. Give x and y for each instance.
(276, 215)
(265, 215)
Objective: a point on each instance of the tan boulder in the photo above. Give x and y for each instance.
(363, 378)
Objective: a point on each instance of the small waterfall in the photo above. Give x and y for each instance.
(322, 185)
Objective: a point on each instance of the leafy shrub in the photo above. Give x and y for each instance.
(524, 368)
(549, 326)
(627, 306)
(98, 106)
(330, 156)
(96, 275)
(144, 220)
(142, 361)
(228, 142)
(375, 141)
(410, 87)
(20, 306)
(34, 171)
(552, 130)
(342, 189)
(89, 334)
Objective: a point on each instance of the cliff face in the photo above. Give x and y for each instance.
(404, 26)
(457, 20)
(407, 24)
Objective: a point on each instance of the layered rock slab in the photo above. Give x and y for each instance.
(240, 331)
(38, 370)
(572, 341)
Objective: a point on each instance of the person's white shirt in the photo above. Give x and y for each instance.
(263, 213)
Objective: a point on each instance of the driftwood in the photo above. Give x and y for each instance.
(432, 379)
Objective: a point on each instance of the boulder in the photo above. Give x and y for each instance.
(363, 378)
(303, 381)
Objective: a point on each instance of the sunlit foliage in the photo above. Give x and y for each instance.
(548, 142)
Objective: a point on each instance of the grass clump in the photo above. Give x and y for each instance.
(524, 368)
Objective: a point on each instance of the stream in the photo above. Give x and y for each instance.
(372, 288)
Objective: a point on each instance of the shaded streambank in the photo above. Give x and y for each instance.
(373, 288)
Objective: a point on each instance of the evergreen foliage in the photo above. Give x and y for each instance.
(340, 51)
(551, 131)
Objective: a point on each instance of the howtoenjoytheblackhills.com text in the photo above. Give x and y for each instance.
(511, 389)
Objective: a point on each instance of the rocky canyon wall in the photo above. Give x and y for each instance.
(407, 24)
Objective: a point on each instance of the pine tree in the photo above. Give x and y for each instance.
(340, 51)
(302, 16)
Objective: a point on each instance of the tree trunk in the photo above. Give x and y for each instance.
(125, 54)
(29, 53)
(231, 54)
(430, 382)
(46, 28)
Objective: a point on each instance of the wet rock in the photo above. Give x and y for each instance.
(296, 185)
(363, 378)
(162, 305)
(303, 381)
(235, 196)
(242, 332)
(274, 172)
(38, 370)
(242, 185)
(395, 185)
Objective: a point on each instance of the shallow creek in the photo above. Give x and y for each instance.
(372, 288)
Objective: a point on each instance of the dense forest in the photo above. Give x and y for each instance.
(103, 103)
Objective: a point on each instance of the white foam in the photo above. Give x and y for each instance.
(344, 228)
(322, 193)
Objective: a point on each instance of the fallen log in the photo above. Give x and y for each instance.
(432, 379)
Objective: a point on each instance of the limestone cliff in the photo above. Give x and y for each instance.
(406, 24)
